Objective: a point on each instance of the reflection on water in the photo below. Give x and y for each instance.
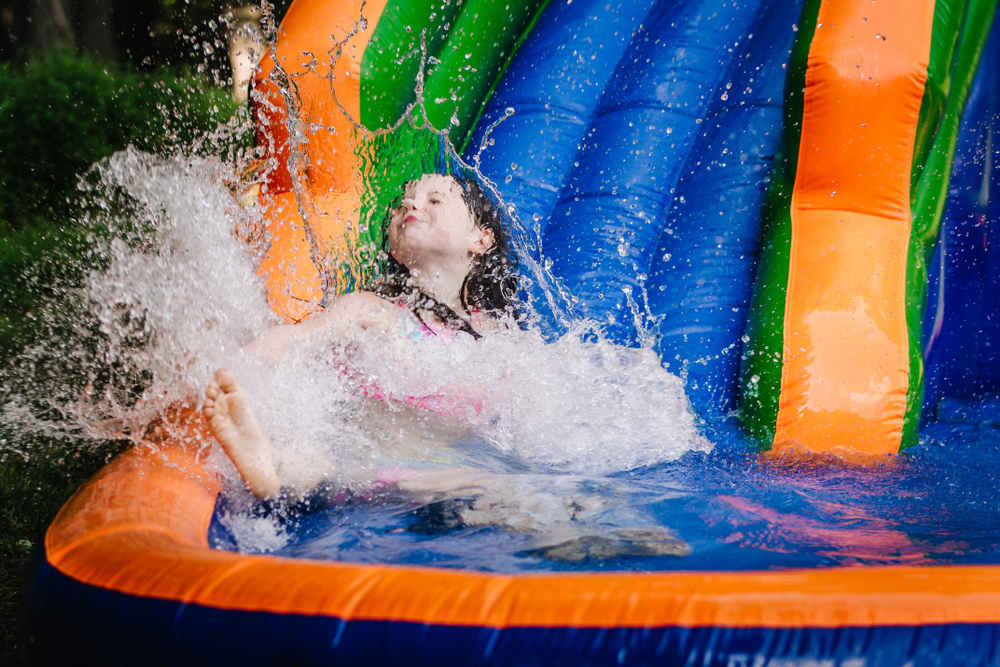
(719, 510)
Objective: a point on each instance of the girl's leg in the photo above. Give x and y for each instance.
(233, 424)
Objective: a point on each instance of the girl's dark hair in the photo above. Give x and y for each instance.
(491, 284)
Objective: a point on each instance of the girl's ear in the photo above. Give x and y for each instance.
(483, 242)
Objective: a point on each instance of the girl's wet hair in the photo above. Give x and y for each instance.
(491, 284)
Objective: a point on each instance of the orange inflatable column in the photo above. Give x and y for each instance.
(312, 196)
(845, 371)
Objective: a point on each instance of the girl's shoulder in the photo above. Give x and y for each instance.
(361, 309)
(361, 301)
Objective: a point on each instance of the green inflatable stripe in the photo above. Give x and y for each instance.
(932, 175)
(468, 46)
(475, 54)
(391, 61)
(948, 15)
(760, 372)
(959, 35)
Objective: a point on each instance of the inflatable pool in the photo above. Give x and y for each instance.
(757, 190)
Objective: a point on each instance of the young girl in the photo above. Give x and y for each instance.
(450, 274)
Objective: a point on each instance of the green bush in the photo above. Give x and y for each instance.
(63, 112)
(58, 116)
(33, 263)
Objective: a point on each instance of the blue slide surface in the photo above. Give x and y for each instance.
(637, 158)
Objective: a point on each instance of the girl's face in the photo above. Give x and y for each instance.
(433, 224)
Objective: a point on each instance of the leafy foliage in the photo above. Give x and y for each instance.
(62, 113)
(59, 115)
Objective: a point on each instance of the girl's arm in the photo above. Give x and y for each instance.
(349, 312)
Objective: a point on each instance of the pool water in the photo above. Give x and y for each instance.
(718, 510)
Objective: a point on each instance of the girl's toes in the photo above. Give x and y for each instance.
(225, 380)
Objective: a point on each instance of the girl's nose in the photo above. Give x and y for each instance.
(409, 204)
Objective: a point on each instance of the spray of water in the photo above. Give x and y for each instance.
(170, 293)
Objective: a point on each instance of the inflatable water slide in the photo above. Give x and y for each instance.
(792, 202)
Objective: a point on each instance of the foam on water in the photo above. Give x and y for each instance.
(576, 406)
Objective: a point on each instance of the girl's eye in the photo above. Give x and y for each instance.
(435, 201)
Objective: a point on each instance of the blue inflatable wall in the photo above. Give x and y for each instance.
(638, 157)
(962, 328)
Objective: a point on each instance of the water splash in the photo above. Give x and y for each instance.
(169, 292)
(174, 295)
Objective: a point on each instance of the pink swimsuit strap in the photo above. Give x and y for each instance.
(424, 329)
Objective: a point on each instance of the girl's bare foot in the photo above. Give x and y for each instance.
(235, 427)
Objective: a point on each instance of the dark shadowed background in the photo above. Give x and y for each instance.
(79, 80)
